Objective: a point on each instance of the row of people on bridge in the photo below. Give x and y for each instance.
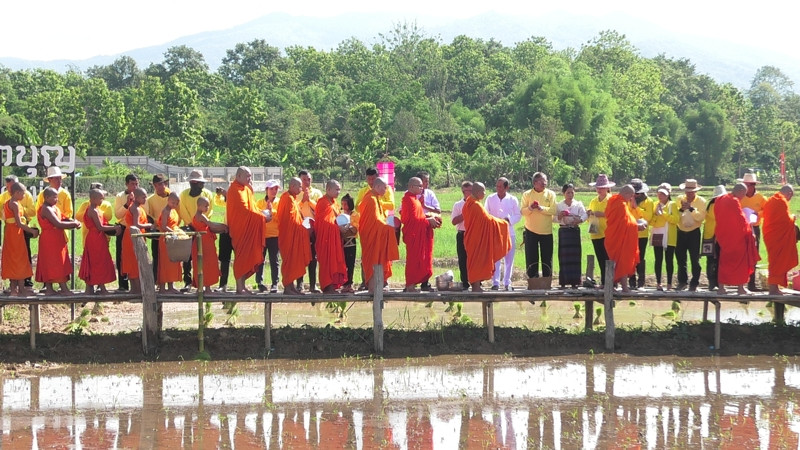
(305, 226)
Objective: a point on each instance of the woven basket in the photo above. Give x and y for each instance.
(178, 250)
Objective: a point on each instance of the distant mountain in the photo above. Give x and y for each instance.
(719, 59)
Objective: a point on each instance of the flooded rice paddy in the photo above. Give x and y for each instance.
(441, 402)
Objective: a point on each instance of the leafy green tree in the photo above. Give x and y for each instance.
(121, 74)
(244, 59)
(368, 143)
(710, 137)
(105, 126)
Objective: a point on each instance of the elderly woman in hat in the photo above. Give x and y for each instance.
(642, 208)
(597, 221)
(689, 217)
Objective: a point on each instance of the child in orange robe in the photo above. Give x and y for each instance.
(15, 262)
(134, 217)
(210, 268)
(54, 264)
(168, 272)
(97, 267)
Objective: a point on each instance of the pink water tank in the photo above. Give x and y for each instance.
(386, 171)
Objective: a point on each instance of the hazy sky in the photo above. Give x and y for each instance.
(80, 29)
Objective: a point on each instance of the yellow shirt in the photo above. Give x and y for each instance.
(539, 222)
(155, 204)
(596, 205)
(645, 211)
(121, 206)
(221, 202)
(28, 207)
(387, 201)
(756, 203)
(307, 207)
(64, 202)
(188, 205)
(271, 227)
(710, 224)
(699, 213)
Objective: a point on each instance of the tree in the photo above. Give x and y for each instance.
(105, 126)
(710, 137)
(365, 122)
(247, 58)
(177, 59)
(121, 74)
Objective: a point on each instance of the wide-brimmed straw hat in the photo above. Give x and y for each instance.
(603, 182)
(55, 172)
(690, 185)
(197, 175)
(639, 186)
(718, 191)
(748, 178)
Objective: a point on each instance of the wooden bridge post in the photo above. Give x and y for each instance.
(150, 306)
(588, 305)
(608, 300)
(377, 307)
(779, 308)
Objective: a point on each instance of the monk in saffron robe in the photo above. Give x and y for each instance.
(135, 216)
(200, 222)
(737, 244)
(54, 264)
(486, 238)
(330, 252)
(378, 241)
(418, 236)
(97, 267)
(780, 238)
(15, 261)
(292, 238)
(622, 235)
(245, 227)
(168, 272)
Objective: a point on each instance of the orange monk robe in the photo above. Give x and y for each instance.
(486, 240)
(168, 271)
(418, 237)
(622, 237)
(106, 210)
(330, 252)
(378, 241)
(246, 229)
(130, 265)
(54, 264)
(97, 267)
(292, 240)
(15, 264)
(210, 266)
(779, 236)
(738, 254)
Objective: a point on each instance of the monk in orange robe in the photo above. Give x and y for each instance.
(780, 238)
(737, 244)
(200, 223)
(54, 264)
(15, 261)
(168, 272)
(418, 236)
(135, 216)
(292, 238)
(486, 238)
(97, 267)
(245, 227)
(622, 235)
(378, 240)
(330, 252)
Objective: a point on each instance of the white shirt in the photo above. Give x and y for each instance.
(504, 208)
(576, 209)
(427, 198)
(457, 208)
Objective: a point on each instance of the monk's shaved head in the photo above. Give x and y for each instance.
(478, 190)
(739, 190)
(50, 192)
(627, 192)
(138, 192)
(295, 185)
(202, 201)
(414, 181)
(17, 187)
(332, 188)
(174, 196)
(332, 184)
(243, 174)
(94, 194)
(787, 191)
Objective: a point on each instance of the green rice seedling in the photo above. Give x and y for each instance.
(676, 306)
(577, 306)
(81, 323)
(632, 303)
(598, 313)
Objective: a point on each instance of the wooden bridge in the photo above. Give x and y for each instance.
(152, 302)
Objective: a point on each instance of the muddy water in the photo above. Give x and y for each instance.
(442, 402)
